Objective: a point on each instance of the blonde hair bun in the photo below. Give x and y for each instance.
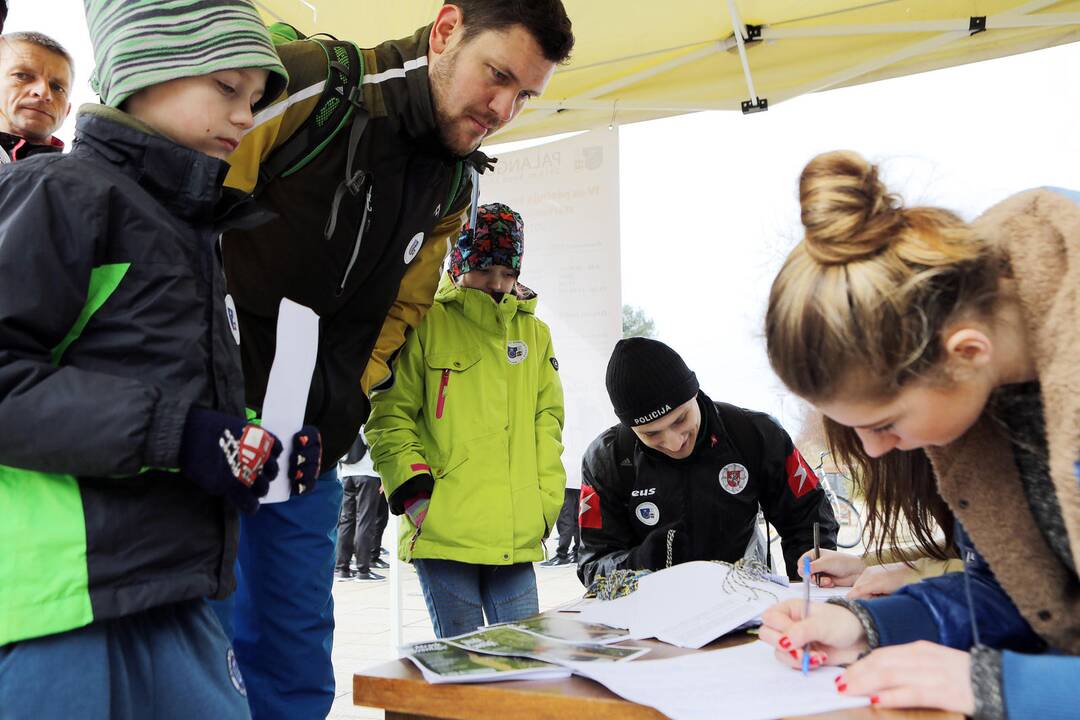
(848, 213)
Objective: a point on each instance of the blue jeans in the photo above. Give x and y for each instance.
(171, 662)
(281, 618)
(459, 595)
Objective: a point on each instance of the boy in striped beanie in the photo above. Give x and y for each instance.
(125, 453)
(170, 64)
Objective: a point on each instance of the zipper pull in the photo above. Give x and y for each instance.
(443, 382)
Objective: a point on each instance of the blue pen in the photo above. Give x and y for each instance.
(806, 610)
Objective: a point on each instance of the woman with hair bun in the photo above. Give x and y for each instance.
(945, 357)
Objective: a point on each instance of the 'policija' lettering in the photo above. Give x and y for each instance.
(659, 412)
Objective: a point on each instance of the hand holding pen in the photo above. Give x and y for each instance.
(836, 635)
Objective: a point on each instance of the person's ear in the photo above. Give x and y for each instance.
(969, 347)
(447, 21)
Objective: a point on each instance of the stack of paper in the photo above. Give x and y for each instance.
(692, 604)
(740, 683)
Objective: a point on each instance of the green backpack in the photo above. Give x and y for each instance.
(341, 102)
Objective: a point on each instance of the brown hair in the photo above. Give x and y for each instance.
(858, 309)
(546, 21)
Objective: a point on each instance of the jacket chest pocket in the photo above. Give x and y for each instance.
(449, 369)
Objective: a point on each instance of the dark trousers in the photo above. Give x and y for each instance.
(567, 524)
(361, 522)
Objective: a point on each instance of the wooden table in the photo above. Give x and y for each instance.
(400, 689)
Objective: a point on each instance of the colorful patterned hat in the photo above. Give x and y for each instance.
(499, 239)
(139, 43)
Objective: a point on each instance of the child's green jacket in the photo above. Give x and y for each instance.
(476, 403)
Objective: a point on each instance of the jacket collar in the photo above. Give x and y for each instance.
(19, 148)
(479, 307)
(187, 182)
(402, 78)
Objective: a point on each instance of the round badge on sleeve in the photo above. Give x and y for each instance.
(234, 672)
(647, 513)
(413, 247)
(234, 322)
(733, 478)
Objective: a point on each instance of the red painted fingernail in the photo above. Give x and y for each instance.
(824, 658)
(815, 661)
(838, 679)
(785, 642)
(842, 687)
(794, 654)
(874, 699)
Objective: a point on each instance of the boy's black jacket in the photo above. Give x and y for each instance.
(107, 404)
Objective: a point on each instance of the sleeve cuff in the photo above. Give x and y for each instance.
(416, 485)
(865, 619)
(900, 619)
(986, 684)
(166, 432)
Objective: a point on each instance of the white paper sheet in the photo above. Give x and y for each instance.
(288, 385)
(740, 683)
(692, 604)
(688, 605)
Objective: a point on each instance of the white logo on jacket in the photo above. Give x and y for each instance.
(516, 352)
(234, 323)
(647, 513)
(733, 477)
(413, 247)
(643, 493)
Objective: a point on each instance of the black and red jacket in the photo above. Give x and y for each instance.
(19, 148)
(743, 460)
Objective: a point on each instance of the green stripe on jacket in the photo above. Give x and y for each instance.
(45, 583)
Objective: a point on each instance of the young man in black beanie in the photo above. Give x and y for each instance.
(681, 478)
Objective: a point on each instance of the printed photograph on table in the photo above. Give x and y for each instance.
(512, 641)
(440, 662)
(569, 630)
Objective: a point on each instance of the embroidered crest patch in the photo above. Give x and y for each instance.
(647, 513)
(733, 478)
(516, 352)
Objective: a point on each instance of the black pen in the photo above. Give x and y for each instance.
(817, 551)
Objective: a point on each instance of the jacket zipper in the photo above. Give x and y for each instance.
(443, 382)
(359, 238)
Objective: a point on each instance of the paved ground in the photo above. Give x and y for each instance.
(362, 611)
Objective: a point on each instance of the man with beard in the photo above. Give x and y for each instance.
(360, 233)
(35, 80)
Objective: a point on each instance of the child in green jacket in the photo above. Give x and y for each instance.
(468, 439)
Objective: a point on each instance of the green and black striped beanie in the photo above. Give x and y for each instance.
(139, 43)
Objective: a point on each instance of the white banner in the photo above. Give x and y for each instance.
(567, 192)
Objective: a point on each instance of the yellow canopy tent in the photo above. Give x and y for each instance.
(643, 59)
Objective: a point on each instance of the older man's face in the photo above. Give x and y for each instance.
(34, 88)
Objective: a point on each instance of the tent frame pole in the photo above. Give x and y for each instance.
(754, 104)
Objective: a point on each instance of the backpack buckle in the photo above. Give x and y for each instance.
(355, 183)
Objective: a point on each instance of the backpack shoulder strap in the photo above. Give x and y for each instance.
(340, 102)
